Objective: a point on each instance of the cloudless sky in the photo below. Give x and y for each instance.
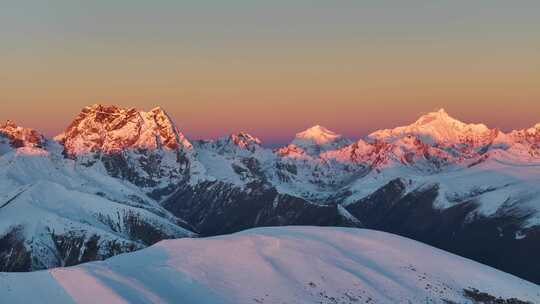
(272, 68)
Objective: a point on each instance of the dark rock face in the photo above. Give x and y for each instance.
(492, 241)
(375, 208)
(141, 231)
(73, 249)
(18, 254)
(459, 229)
(220, 208)
(118, 165)
(480, 297)
(128, 166)
(14, 256)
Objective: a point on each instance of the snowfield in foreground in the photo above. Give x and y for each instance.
(274, 265)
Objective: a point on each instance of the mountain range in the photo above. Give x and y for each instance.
(119, 179)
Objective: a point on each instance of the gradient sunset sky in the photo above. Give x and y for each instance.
(272, 68)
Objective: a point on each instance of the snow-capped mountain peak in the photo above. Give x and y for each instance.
(437, 128)
(169, 135)
(244, 140)
(534, 130)
(319, 139)
(318, 134)
(111, 129)
(234, 143)
(18, 137)
(441, 115)
(525, 142)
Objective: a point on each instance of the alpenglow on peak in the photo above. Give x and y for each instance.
(436, 128)
(318, 139)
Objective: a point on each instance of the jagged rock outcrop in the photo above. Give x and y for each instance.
(144, 148)
(14, 136)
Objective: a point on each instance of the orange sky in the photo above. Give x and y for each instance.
(273, 69)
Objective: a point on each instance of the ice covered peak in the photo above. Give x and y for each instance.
(440, 115)
(437, 127)
(318, 139)
(318, 134)
(19, 137)
(111, 129)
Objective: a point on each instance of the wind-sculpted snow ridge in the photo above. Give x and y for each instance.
(276, 265)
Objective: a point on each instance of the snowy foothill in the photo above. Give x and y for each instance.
(273, 265)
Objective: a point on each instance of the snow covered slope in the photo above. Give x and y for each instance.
(54, 212)
(66, 227)
(276, 265)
